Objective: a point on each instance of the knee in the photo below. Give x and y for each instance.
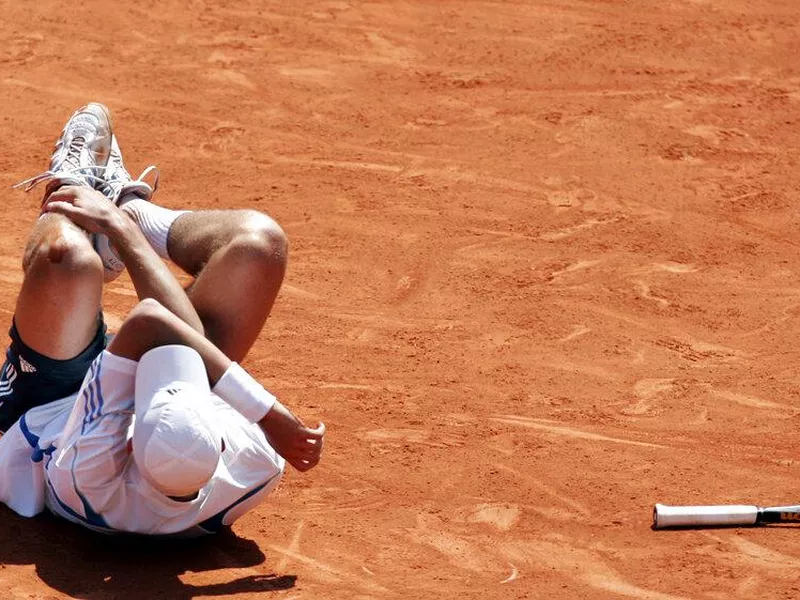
(63, 251)
(260, 240)
(149, 314)
(146, 326)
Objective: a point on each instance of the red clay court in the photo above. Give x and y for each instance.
(544, 273)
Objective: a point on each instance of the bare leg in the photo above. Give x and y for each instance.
(59, 303)
(238, 259)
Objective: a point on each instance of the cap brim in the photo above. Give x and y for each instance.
(160, 367)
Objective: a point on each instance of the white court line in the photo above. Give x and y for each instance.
(333, 573)
(294, 546)
(567, 431)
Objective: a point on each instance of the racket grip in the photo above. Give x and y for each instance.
(698, 516)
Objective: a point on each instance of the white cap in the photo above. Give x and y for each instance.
(176, 444)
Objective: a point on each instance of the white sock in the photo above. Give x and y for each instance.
(154, 221)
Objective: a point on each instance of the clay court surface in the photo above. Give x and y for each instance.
(544, 273)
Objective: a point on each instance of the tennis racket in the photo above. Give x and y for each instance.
(723, 515)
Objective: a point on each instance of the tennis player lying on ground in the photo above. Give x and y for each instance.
(162, 432)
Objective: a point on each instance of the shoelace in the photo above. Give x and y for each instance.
(108, 189)
(112, 189)
(72, 159)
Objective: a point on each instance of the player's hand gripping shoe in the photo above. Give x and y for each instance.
(81, 157)
(81, 153)
(118, 186)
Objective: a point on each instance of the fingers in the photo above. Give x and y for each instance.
(73, 194)
(85, 207)
(318, 432)
(66, 190)
(301, 446)
(316, 437)
(61, 195)
(65, 193)
(304, 465)
(307, 448)
(309, 451)
(61, 207)
(62, 201)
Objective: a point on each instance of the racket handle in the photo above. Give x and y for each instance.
(697, 516)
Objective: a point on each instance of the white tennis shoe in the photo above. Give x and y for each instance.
(88, 154)
(118, 185)
(82, 152)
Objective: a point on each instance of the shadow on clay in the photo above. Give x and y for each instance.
(90, 566)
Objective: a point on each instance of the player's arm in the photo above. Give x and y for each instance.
(150, 325)
(93, 212)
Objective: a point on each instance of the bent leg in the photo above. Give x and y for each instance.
(59, 304)
(239, 261)
(57, 329)
(149, 325)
